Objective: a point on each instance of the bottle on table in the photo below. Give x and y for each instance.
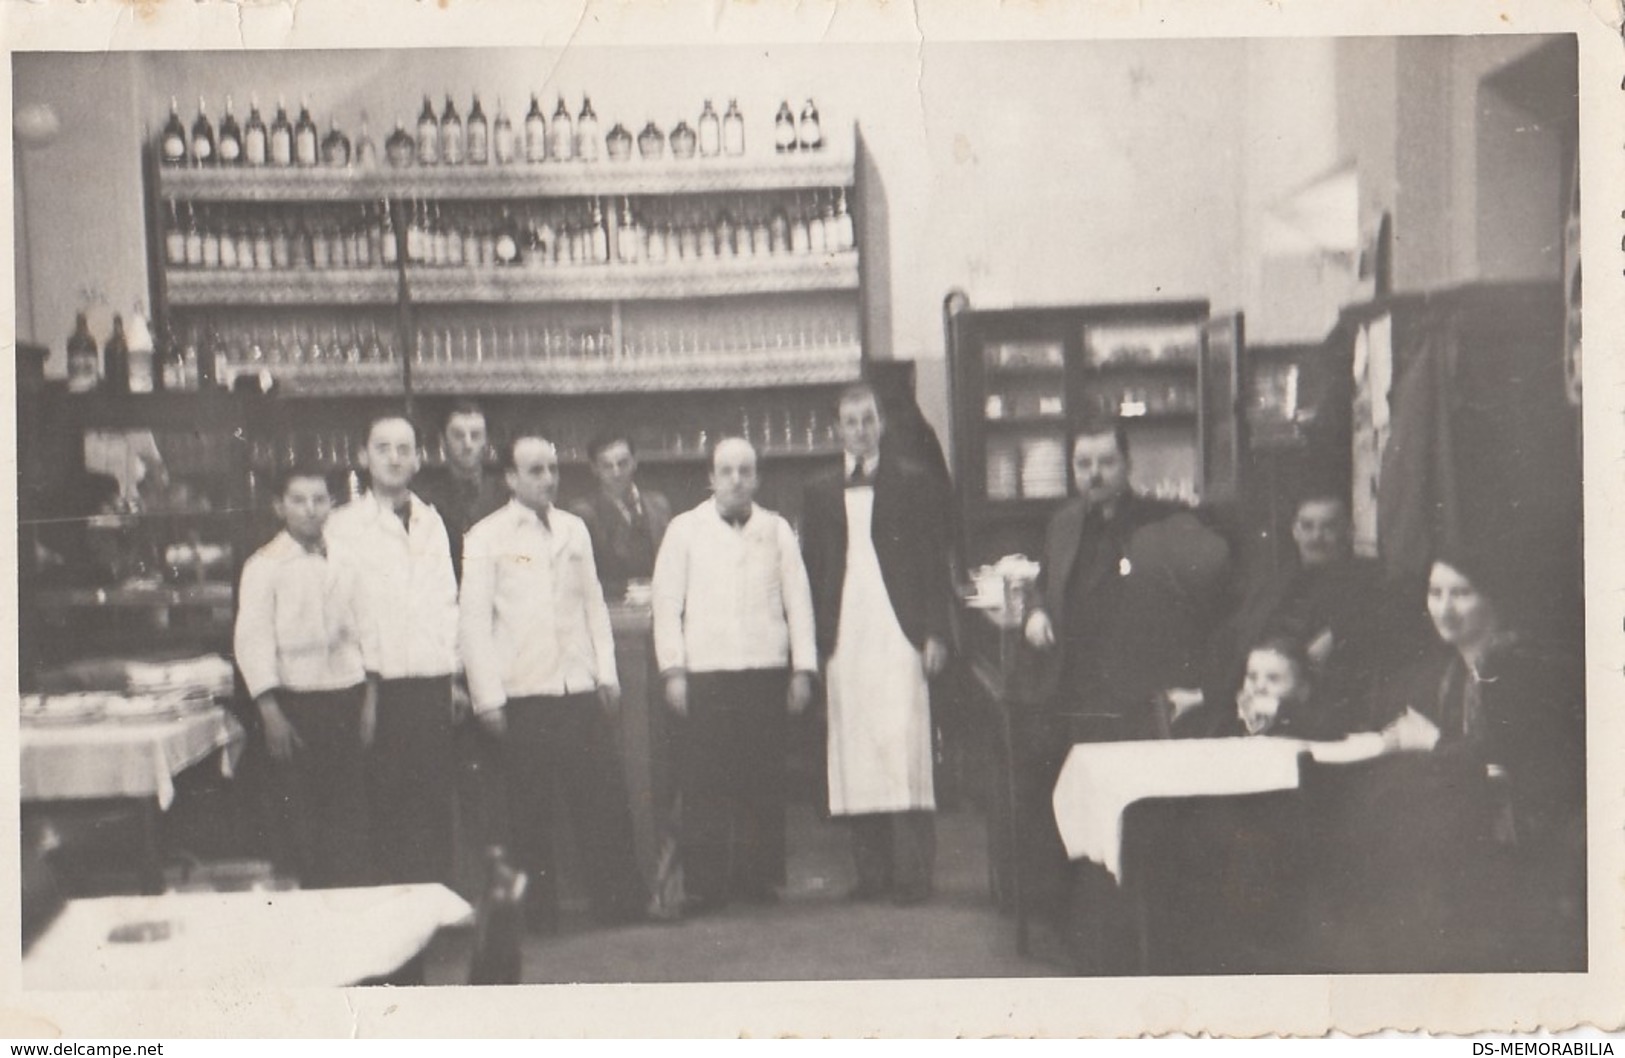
(141, 353)
(116, 359)
(84, 361)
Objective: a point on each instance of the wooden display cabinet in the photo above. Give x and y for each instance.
(1024, 379)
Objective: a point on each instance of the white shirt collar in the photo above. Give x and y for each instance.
(527, 516)
(869, 464)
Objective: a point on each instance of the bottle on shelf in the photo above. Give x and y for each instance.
(810, 135)
(388, 248)
(618, 144)
(651, 142)
(245, 244)
(172, 141)
(817, 228)
(172, 376)
(211, 243)
(628, 237)
(231, 138)
(202, 135)
(194, 239)
(116, 359)
(506, 246)
(535, 133)
(428, 135)
(587, 132)
(683, 141)
(784, 129)
(655, 248)
(281, 244)
(800, 236)
(281, 137)
(262, 245)
(845, 238)
(141, 353)
(733, 130)
(228, 247)
(453, 143)
(726, 246)
(366, 152)
(174, 238)
(780, 233)
(599, 232)
(256, 138)
(561, 138)
(399, 148)
(321, 248)
(299, 240)
(479, 134)
(335, 147)
(502, 141)
(305, 138)
(84, 362)
(710, 132)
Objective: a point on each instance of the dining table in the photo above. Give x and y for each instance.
(252, 940)
(132, 759)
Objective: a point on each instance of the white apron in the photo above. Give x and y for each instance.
(879, 709)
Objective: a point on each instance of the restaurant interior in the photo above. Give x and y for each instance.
(1282, 270)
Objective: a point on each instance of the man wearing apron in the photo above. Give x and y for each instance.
(882, 600)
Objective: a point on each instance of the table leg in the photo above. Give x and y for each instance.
(152, 858)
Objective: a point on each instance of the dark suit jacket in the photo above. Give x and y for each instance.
(613, 544)
(1168, 602)
(910, 538)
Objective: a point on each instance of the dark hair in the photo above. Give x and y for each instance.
(462, 407)
(861, 391)
(1487, 574)
(1288, 647)
(298, 471)
(1096, 428)
(1317, 494)
(606, 438)
(388, 416)
(523, 433)
(711, 450)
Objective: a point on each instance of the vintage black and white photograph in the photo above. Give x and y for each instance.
(1067, 509)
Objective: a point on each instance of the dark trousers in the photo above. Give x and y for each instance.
(410, 781)
(731, 761)
(895, 852)
(562, 746)
(317, 800)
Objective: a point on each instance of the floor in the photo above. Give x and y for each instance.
(813, 933)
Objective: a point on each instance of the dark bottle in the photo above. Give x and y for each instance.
(428, 135)
(479, 135)
(710, 132)
(231, 138)
(502, 142)
(811, 134)
(587, 132)
(281, 137)
(561, 142)
(453, 147)
(399, 148)
(733, 130)
(202, 135)
(116, 359)
(682, 141)
(306, 139)
(535, 133)
(335, 147)
(84, 365)
(256, 140)
(651, 142)
(172, 142)
(784, 129)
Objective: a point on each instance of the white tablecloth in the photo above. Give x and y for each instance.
(223, 941)
(122, 758)
(1100, 780)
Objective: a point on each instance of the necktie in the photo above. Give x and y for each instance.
(859, 478)
(737, 520)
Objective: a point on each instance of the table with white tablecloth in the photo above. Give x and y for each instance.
(228, 942)
(133, 760)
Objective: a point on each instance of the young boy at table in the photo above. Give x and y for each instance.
(1274, 699)
(298, 646)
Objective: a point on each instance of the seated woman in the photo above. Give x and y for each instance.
(1275, 698)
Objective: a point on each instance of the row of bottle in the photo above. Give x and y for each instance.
(277, 238)
(644, 347)
(447, 140)
(464, 236)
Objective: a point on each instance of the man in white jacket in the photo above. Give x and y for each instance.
(732, 618)
(539, 653)
(397, 545)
